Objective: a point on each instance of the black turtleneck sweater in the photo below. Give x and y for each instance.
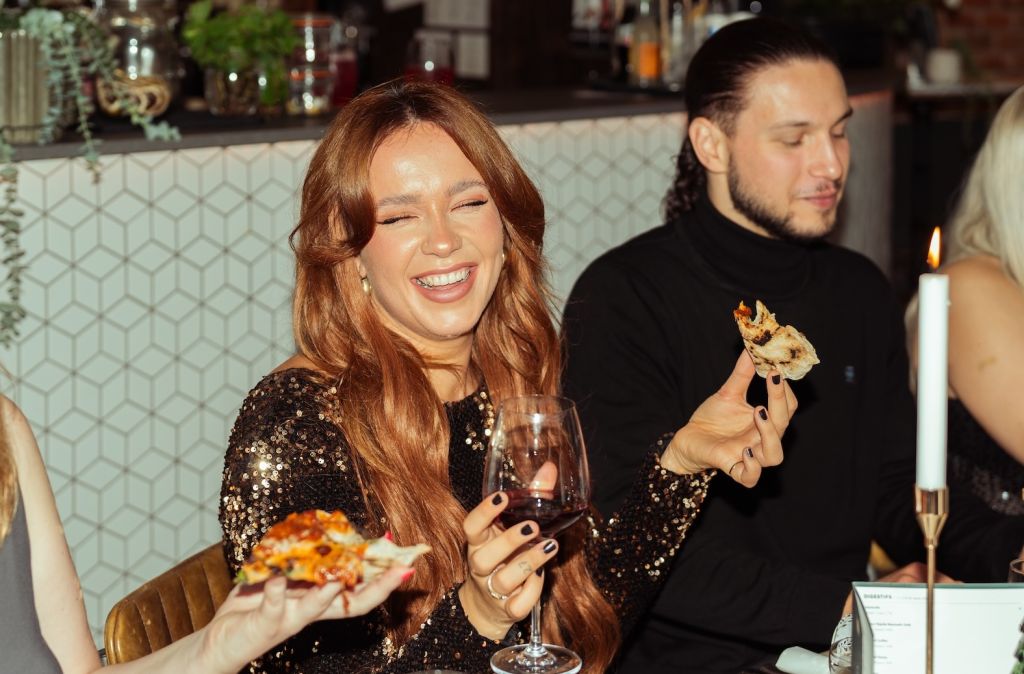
(650, 335)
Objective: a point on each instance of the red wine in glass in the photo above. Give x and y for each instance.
(537, 458)
(540, 507)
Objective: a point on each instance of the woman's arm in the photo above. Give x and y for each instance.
(986, 362)
(58, 594)
(285, 455)
(243, 628)
(631, 553)
(249, 623)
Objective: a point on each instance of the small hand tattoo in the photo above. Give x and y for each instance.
(525, 568)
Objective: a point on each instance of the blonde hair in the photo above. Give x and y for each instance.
(989, 216)
(8, 480)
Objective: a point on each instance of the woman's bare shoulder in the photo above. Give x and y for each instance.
(18, 431)
(978, 270)
(979, 285)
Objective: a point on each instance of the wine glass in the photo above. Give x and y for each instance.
(1016, 571)
(840, 653)
(538, 459)
(429, 58)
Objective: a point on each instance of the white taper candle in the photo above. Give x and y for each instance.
(932, 360)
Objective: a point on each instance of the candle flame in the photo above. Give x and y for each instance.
(935, 249)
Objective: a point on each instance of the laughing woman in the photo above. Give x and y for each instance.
(420, 304)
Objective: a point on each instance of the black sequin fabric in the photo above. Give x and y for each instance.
(286, 455)
(977, 461)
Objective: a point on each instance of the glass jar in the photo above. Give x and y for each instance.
(24, 94)
(230, 93)
(145, 50)
(310, 78)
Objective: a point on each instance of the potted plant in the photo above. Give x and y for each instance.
(64, 49)
(238, 49)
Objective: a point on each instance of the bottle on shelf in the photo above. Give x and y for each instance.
(679, 46)
(645, 56)
(622, 41)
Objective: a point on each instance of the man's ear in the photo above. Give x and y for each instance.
(710, 144)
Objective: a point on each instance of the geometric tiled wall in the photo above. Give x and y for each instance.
(157, 297)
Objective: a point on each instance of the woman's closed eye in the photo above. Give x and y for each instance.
(473, 203)
(390, 220)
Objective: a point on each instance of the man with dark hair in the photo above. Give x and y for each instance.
(649, 328)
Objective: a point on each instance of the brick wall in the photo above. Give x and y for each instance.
(993, 31)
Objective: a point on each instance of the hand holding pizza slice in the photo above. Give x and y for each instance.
(773, 346)
(321, 547)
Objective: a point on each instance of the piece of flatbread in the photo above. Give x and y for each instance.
(773, 346)
(320, 547)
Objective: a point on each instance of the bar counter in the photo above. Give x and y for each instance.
(157, 297)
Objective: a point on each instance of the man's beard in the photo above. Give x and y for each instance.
(777, 225)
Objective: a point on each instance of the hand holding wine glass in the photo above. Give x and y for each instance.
(536, 477)
(511, 560)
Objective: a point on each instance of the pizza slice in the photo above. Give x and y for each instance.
(321, 547)
(773, 346)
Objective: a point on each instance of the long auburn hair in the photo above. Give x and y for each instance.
(716, 88)
(392, 418)
(8, 480)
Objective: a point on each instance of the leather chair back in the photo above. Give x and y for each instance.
(176, 603)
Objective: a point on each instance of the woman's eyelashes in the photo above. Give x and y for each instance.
(468, 205)
(392, 220)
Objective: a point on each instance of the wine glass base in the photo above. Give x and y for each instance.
(519, 660)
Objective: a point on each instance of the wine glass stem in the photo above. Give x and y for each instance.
(536, 648)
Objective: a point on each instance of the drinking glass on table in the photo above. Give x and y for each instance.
(538, 459)
(1017, 576)
(840, 653)
(1016, 571)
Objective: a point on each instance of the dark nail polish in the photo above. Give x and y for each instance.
(550, 546)
(749, 452)
(776, 379)
(764, 414)
(497, 499)
(540, 571)
(527, 530)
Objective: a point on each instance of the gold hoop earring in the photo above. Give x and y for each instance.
(366, 285)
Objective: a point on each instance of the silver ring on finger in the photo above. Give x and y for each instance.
(490, 585)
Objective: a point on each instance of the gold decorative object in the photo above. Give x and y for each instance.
(152, 93)
(932, 507)
(24, 96)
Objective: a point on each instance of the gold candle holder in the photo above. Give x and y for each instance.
(932, 510)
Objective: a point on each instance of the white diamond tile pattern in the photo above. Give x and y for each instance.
(159, 296)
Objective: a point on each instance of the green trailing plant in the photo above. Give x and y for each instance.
(73, 49)
(249, 39)
(11, 310)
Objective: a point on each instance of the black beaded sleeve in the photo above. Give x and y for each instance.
(630, 553)
(286, 455)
